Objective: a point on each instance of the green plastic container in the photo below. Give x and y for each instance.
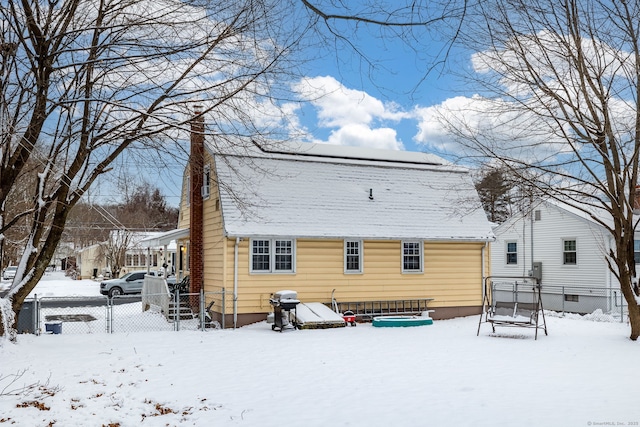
(401, 321)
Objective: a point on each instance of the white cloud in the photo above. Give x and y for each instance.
(360, 135)
(471, 126)
(355, 117)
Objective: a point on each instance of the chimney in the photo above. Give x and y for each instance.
(636, 200)
(196, 163)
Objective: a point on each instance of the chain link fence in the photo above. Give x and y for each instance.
(600, 303)
(122, 313)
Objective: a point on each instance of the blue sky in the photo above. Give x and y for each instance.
(354, 103)
(365, 106)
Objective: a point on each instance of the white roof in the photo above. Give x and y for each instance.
(164, 238)
(373, 194)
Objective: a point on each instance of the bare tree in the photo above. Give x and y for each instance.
(145, 208)
(427, 28)
(560, 109)
(115, 248)
(83, 81)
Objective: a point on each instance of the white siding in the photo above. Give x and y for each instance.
(554, 226)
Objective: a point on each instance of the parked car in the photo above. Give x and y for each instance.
(9, 273)
(130, 283)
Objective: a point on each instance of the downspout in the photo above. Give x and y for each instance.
(235, 283)
(482, 257)
(524, 246)
(532, 215)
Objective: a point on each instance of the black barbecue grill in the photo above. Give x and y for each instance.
(283, 302)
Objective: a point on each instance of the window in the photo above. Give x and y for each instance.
(206, 181)
(512, 253)
(272, 256)
(572, 298)
(569, 252)
(636, 251)
(352, 256)
(537, 215)
(411, 257)
(136, 276)
(284, 255)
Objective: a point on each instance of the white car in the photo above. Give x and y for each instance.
(9, 273)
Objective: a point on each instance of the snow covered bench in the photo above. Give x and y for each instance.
(517, 314)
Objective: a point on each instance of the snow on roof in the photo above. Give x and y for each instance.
(134, 239)
(163, 238)
(366, 193)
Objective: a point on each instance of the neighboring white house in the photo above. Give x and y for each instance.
(566, 250)
(92, 261)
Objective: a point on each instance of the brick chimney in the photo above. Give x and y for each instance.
(196, 162)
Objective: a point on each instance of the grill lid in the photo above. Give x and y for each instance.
(285, 295)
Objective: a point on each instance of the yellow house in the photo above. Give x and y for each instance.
(365, 224)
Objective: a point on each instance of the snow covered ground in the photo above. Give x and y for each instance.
(582, 374)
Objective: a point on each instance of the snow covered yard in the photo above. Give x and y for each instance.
(438, 375)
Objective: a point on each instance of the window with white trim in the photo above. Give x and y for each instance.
(272, 256)
(569, 252)
(411, 257)
(512, 253)
(352, 256)
(636, 251)
(206, 181)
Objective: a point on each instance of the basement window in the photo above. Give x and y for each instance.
(572, 298)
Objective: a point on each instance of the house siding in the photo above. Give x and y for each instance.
(452, 276)
(554, 226)
(452, 273)
(91, 258)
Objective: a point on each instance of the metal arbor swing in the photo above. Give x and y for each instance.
(514, 313)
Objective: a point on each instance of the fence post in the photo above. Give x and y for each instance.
(621, 308)
(224, 307)
(563, 300)
(176, 312)
(202, 313)
(36, 315)
(109, 316)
